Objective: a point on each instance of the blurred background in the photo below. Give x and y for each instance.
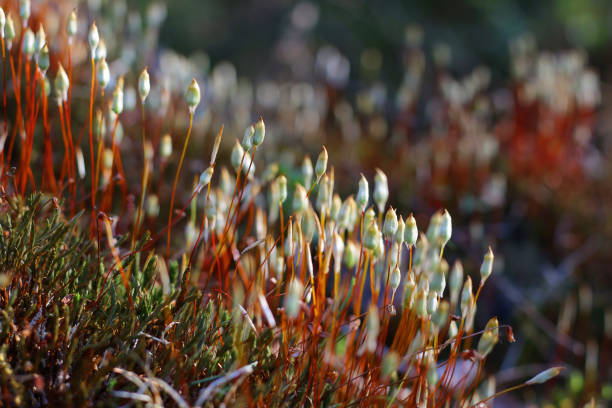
(496, 110)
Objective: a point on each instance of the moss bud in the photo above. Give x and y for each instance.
(300, 199)
(390, 224)
(487, 266)
(72, 25)
(321, 165)
(381, 190)
(307, 172)
(293, 299)
(93, 38)
(192, 97)
(103, 73)
(362, 193)
(260, 132)
(412, 233)
(61, 84)
(144, 85)
(247, 139)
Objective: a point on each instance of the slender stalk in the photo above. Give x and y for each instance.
(17, 93)
(48, 148)
(72, 156)
(91, 147)
(176, 177)
(145, 176)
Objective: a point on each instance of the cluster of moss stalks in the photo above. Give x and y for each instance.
(248, 309)
(66, 326)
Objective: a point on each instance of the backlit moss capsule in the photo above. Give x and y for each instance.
(420, 251)
(273, 200)
(29, 42)
(2, 22)
(393, 255)
(248, 168)
(47, 86)
(438, 279)
(371, 236)
(101, 51)
(395, 278)
(300, 199)
(210, 209)
(25, 10)
(379, 250)
(335, 208)
(307, 172)
(192, 97)
(446, 228)
(545, 375)
(99, 125)
(43, 59)
(487, 266)
(237, 156)
(61, 84)
(455, 280)
(344, 215)
(409, 291)
(282, 188)
(289, 239)
(269, 172)
(117, 105)
(107, 158)
(433, 229)
(398, 237)
(9, 31)
(420, 304)
(260, 132)
(362, 194)
(260, 224)
(381, 190)
(165, 146)
(293, 299)
(338, 252)
(93, 38)
(152, 207)
(390, 224)
(353, 213)
(103, 73)
(466, 296)
(72, 25)
(40, 39)
(432, 303)
(390, 364)
(321, 165)
(247, 139)
(206, 176)
(372, 328)
(308, 225)
(80, 160)
(412, 233)
(432, 373)
(453, 330)
(351, 254)
(226, 183)
(369, 216)
(144, 85)
(441, 316)
(489, 338)
(323, 196)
